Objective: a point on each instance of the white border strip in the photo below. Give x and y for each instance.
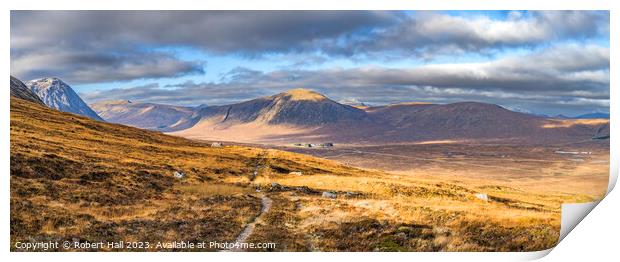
(570, 210)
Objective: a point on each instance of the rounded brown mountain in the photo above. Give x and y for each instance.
(296, 107)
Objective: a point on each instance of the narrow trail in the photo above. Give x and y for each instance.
(261, 159)
(249, 229)
(266, 203)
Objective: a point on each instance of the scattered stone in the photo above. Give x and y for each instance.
(179, 174)
(276, 187)
(329, 195)
(482, 196)
(404, 229)
(305, 190)
(402, 235)
(362, 204)
(352, 194)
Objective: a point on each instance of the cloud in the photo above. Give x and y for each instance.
(217, 31)
(428, 34)
(99, 46)
(539, 60)
(186, 93)
(567, 77)
(83, 39)
(558, 69)
(88, 67)
(253, 32)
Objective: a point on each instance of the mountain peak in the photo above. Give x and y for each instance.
(59, 95)
(47, 82)
(303, 94)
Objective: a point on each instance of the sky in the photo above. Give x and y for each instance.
(542, 62)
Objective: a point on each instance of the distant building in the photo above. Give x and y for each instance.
(573, 152)
(217, 144)
(329, 144)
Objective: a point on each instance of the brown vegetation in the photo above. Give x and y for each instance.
(80, 180)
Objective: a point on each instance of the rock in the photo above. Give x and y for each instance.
(401, 235)
(404, 229)
(295, 173)
(305, 189)
(276, 187)
(482, 196)
(179, 174)
(362, 204)
(329, 195)
(352, 194)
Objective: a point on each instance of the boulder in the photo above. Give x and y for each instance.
(352, 194)
(305, 190)
(330, 195)
(482, 196)
(276, 187)
(178, 174)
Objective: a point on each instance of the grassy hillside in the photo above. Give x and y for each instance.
(72, 177)
(76, 179)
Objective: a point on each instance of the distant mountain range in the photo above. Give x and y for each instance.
(144, 115)
(301, 115)
(584, 116)
(58, 95)
(306, 116)
(592, 116)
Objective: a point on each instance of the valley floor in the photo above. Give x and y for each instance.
(568, 168)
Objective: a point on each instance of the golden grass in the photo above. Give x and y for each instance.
(240, 133)
(208, 189)
(72, 177)
(566, 123)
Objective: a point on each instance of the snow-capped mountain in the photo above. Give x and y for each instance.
(58, 95)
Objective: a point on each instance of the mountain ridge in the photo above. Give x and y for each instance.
(20, 90)
(303, 115)
(279, 118)
(144, 115)
(592, 116)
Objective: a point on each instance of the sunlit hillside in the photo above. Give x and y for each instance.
(76, 179)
